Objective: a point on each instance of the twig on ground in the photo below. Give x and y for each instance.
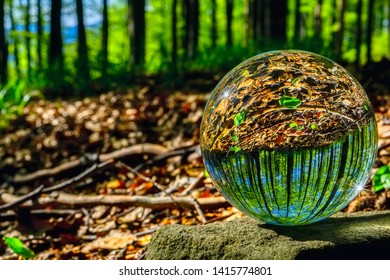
(125, 201)
(199, 210)
(164, 156)
(21, 199)
(146, 148)
(41, 189)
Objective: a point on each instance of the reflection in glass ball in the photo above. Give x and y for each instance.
(289, 137)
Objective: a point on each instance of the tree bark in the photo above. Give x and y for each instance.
(297, 22)
(40, 32)
(229, 20)
(56, 59)
(104, 40)
(318, 19)
(278, 20)
(249, 22)
(136, 28)
(369, 29)
(174, 38)
(191, 38)
(14, 39)
(28, 40)
(340, 34)
(213, 23)
(358, 32)
(82, 49)
(3, 47)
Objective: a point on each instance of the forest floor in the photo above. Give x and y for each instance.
(95, 178)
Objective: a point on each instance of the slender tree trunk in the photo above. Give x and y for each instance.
(358, 32)
(278, 20)
(105, 40)
(318, 19)
(388, 28)
(191, 10)
(28, 40)
(260, 18)
(3, 47)
(14, 39)
(40, 32)
(249, 22)
(174, 37)
(333, 43)
(55, 48)
(213, 23)
(229, 19)
(340, 35)
(82, 49)
(369, 29)
(297, 22)
(136, 27)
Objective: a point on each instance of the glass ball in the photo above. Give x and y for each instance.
(289, 137)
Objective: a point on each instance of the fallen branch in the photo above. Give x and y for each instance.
(125, 201)
(96, 168)
(164, 156)
(146, 148)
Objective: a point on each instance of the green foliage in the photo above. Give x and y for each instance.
(289, 102)
(235, 149)
(12, 101)
(234, 137)
(381, 178)
(239, 118)
(18, 247)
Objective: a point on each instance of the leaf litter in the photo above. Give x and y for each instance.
(52, 133)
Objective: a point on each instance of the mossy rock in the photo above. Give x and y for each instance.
(362, 235)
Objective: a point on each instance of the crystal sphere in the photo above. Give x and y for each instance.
(289, 137)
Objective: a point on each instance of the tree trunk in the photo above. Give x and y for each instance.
(104, 40)
(340, 34)
(388, 28)
(249, 22)
(278, 20)
(191, 38)
(229, 19)
(213, 23)
(40, 32)
(369, 29)
(297, 22)
(55, 48)
(3, 47)
(14, 39)
(174, 37)
(318, 19)
(83, 75)
(28, 40)
(358, 32)
(136, 27)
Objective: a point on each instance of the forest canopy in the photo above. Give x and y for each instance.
(93, 44)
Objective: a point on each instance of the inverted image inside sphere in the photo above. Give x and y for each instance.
(289, 137)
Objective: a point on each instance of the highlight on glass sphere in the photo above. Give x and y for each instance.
(289, 137)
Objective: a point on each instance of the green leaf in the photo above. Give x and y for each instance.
(313, 126)
(295, 81)
(289, 102)
(206, 173)
(239, 118)
(234, 137)
(381, 178)
(365, 107)
(235, 149)
(293, 124)
(18, 247)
